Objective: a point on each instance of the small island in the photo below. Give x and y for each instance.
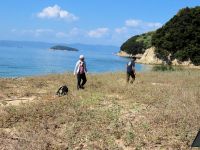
(62, 47)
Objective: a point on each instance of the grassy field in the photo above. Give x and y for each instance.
(160, 110)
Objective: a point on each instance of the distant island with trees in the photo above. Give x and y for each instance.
(62, 47)
(177, 40)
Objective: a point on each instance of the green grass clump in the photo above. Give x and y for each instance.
(163, 68)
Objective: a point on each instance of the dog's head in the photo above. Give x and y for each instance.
(63, 90)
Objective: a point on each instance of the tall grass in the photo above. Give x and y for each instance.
(158, 111)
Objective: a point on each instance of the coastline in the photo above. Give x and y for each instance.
(124, 54)
(149, 58)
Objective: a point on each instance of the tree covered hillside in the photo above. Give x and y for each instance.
(137, 44)
(180, 36)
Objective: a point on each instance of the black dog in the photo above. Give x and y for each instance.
(63, 90)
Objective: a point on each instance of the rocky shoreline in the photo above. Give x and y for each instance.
(149, 58)
(124, 54)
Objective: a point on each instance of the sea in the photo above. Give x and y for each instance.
(19, 61)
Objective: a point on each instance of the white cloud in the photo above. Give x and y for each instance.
(56, 12)
(133, 27)
(102, 34)
(154, 24)
(97, 33)
(43, 30)
(80, 33)
(75, 31)
(39, 32)
(120, 30)
(61, 35)
(133, 23)
(33, 32)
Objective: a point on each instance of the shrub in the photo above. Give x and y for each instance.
(163, 68)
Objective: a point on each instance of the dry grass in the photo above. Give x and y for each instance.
(160, 110)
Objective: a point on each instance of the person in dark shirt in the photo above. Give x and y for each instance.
(130, 70)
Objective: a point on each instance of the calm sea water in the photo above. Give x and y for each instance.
(18, 62)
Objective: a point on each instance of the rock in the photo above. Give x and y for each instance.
(123, 54)
(184, 63)
(149, 57)
(188, 63)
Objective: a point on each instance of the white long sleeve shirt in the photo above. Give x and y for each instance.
(77, 67)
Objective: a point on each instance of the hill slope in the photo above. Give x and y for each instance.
(137, 44)
(178, 38)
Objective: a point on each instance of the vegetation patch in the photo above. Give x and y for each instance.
(137, 44)
(160, 110)
(180, 36)
(177, 39)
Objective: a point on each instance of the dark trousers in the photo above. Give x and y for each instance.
(81, 80)
(128, 74)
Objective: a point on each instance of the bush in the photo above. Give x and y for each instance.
(163, 68)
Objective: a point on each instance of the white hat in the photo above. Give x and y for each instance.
(81, 56)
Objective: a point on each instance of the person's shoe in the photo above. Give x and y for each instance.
(81, 87)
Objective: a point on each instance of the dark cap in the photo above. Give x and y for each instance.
(133, 57)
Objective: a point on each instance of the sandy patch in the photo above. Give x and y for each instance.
(17, 101)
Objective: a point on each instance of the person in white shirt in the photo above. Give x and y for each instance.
(80, 70)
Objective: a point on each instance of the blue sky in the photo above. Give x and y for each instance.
(107, 22)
